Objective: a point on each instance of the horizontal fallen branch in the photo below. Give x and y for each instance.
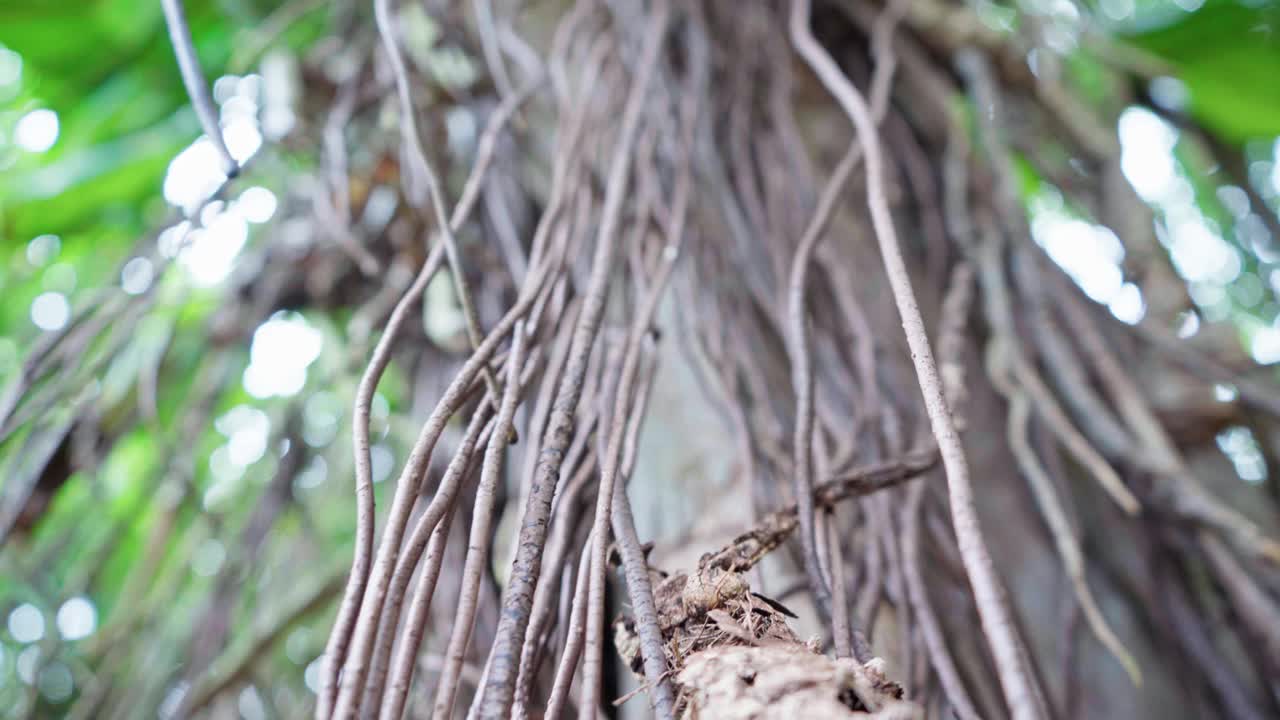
(744, 551)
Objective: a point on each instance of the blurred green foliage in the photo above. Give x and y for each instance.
(1227, 53)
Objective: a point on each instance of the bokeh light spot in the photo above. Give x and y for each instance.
(283, 347)
(26, 623)
(208, 558)
(137, 275)
(257, 204)
(77, 619)
(43, 249)
(36, 131)
(56, 683)
(50, 311)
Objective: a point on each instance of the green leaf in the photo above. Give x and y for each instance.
(1228, 55)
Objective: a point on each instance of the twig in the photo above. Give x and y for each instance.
(425, 531)
(477, 552)
(487, 30)
(573, 643)
(935, 640)
(640, 590)
(842, 633)
(802, 374)
(999, 312)
(415, 626)
(1055, 517)
(348, 611)
(421, 171)
(193, 78)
